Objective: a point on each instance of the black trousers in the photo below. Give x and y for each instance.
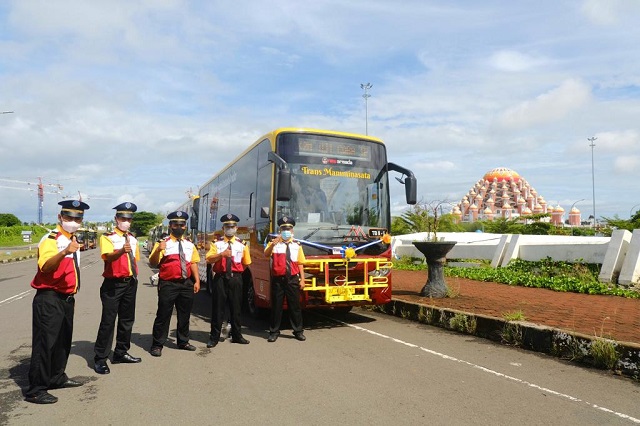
(118, 300)
(227, 293)
(52, 331)
(289, 287)
(170, 294)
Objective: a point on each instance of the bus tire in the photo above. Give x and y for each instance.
(252, 309)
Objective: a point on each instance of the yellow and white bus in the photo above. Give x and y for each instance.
(336, 187)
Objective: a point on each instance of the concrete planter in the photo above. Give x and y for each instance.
(435, 253)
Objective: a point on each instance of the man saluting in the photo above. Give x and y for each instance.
(56, 282)
(120, 252)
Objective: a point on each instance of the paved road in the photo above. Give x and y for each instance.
(360, 369)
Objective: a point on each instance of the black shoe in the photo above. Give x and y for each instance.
(299, 336)
(273, 337)
(126, 359)
(187, 347)
(42, 398)
(156, 351)
(212, 342)
(241, 340)
(101, 367)
(69, 384)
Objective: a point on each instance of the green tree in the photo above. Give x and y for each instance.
(629, 225)
(426, 217)
(8, 219)
(143, 222)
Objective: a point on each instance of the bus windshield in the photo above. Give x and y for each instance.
(339, 187)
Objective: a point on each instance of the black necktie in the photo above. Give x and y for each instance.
(229, 263)
(183, 262)
(288, 260)
(132, 259)
(75, 263)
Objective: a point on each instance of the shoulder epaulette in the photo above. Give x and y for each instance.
(53, 235)
(109, 233)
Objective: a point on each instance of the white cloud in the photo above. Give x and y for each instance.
(508, 60)
(551, 106)
(183, 87)
(610, 12)
(626, 164)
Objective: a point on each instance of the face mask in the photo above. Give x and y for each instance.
(177, 232)
(230, 232)
(286, 235)
(123, 226)
(70, 227)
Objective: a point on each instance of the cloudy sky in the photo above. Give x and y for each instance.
(142, 100)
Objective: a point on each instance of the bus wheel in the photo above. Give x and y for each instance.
(254, 311)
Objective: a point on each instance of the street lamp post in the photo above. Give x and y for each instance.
(593, 179)
(571, 209)
(366, 87)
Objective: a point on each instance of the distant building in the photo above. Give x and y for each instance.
(503, 193)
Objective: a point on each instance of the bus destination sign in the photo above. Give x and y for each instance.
(316, 147)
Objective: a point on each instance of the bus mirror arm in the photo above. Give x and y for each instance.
(284, 177)
(410, 182)
(277, 160)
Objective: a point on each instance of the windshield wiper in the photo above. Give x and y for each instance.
(320, 228)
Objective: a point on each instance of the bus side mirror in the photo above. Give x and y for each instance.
(410, 182)
(284, 185)
(195, 209)
(411, 189)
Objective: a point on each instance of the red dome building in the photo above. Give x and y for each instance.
(503, 193)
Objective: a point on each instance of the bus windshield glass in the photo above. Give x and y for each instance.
(339, 187)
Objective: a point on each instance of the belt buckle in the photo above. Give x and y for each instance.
(69, 298)
(126, 279)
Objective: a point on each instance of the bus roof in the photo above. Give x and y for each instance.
(274, 134)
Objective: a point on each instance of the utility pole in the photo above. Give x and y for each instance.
(366, 87)
(593, 179)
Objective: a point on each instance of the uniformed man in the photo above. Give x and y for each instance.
(56, 282)
(120, 252)
(229, 256)
(287, 279)
(178, 281)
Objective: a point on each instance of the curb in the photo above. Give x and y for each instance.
(575, 347)
(17, 259)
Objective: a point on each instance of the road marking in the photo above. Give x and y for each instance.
(16, 297)
(493, 372)
(28, 292)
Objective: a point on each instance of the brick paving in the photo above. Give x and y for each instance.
(613, 317)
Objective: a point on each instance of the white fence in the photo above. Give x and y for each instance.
(618, 254)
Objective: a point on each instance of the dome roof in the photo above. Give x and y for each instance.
(502, 174)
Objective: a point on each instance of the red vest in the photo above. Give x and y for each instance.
(237, 250)
(64, 279)
(170, 262)
(120, 268)
(278, 255)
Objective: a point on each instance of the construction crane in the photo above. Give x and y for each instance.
(85, 197)
(39, 187)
